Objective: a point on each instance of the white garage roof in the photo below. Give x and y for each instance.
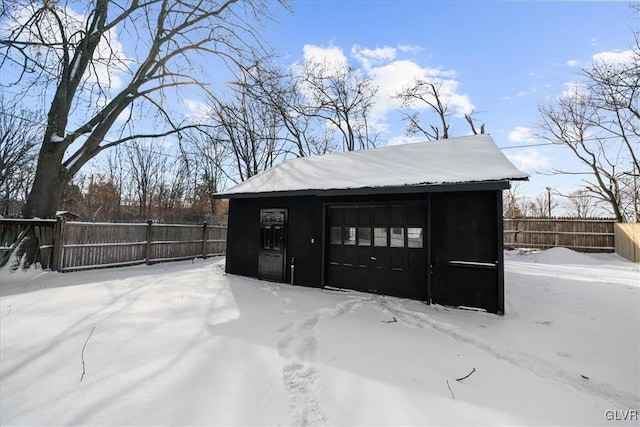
(467, 159)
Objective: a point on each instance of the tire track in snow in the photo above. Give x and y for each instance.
(298, 346)
(536, 365)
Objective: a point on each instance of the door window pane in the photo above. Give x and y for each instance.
(278, 237)
(364, 236)
(380, 237)
(349, 235)
(336, 236)
(414, 237)
(397, 237)
(267, 237)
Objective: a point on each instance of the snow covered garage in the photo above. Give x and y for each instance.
(421, 221)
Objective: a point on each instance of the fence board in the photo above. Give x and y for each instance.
(627, 238)
(97, 245)
(585, 235)
(88, 245)
(12, 231)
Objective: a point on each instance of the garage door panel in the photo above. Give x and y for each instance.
(350, 216)
(381, 256)
(335, 254)
(349, 257)
(398, 215)
(398, 258)
(365, 255)
(365, 216)
(381, 215)
(380, 252)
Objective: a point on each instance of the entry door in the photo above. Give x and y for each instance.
(273, 245)
(465, 250)
(378, 248)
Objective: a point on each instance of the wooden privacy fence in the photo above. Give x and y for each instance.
(13, 230)
(627, 237)
(583, 235)
(89, 245)
(67, 246)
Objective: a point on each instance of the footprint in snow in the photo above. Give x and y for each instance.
(298, 346)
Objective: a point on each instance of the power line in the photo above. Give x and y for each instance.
(124, 144)
(549, 143)
(543, 144)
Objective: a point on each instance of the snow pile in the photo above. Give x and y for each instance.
(185, 344)
(560, 256)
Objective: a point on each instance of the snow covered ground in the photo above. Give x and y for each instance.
(185, 344)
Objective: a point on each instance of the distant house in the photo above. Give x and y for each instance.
(421, 221)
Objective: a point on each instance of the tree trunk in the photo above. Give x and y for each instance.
(49, 184)
(45, 198)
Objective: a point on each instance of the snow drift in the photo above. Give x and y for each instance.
(185, 344)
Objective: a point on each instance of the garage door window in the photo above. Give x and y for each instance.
(349, 236)
(336, 236)
(397, 237)
(364, 236)
(415, 237)
(380, 237)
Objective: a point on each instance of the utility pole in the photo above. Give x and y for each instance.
(549, 201)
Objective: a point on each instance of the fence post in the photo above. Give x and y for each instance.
(58, 244)
(204, 240)
(147, 254)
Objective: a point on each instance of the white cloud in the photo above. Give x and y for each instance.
(391, 74)
(527, 92)
(529, 160)
(574, 90)
(572, 63)
(391, 78)
(368, 57)
(332, 56)
(613, 57)
(394, 76)
(404, 139)
(521, 134)
(196, 109)
(410, 48)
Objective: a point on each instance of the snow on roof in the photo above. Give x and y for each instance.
(467, 159)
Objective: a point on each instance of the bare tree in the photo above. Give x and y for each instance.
(71, 50)
(429, 94)
(206, 160)
(600, 123)
(249, 129)
(147, 166)
(342, 97)
(19, 133)
(282, 91)
(542, 206)
(581, 204)
(174, 186)
(513, 203)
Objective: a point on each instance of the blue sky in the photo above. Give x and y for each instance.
(505, 57)
(501, 59)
